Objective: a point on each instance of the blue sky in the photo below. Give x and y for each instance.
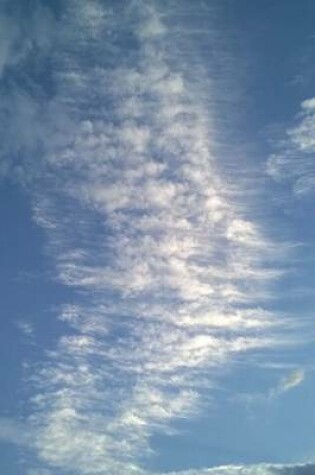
(157, 182)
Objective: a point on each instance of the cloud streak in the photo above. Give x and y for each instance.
(294, 379)
(263, 469)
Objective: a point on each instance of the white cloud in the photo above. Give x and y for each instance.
(294, 379)
(137, 218)
(295, 160)
(263, 469)
(291, 381)
(27, 329)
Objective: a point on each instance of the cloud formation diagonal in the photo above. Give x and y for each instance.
(169, 274)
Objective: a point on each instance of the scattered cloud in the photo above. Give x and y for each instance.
(171, 275)
(27, 330)
(294, 162)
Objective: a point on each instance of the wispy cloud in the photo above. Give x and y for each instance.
(27, 330)
(15, 432)
(294, 379)
(263, 469)
(171, 274)
(294, 160)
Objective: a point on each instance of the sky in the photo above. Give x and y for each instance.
(157, 182)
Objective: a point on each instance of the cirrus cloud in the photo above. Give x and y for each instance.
(170, 276)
